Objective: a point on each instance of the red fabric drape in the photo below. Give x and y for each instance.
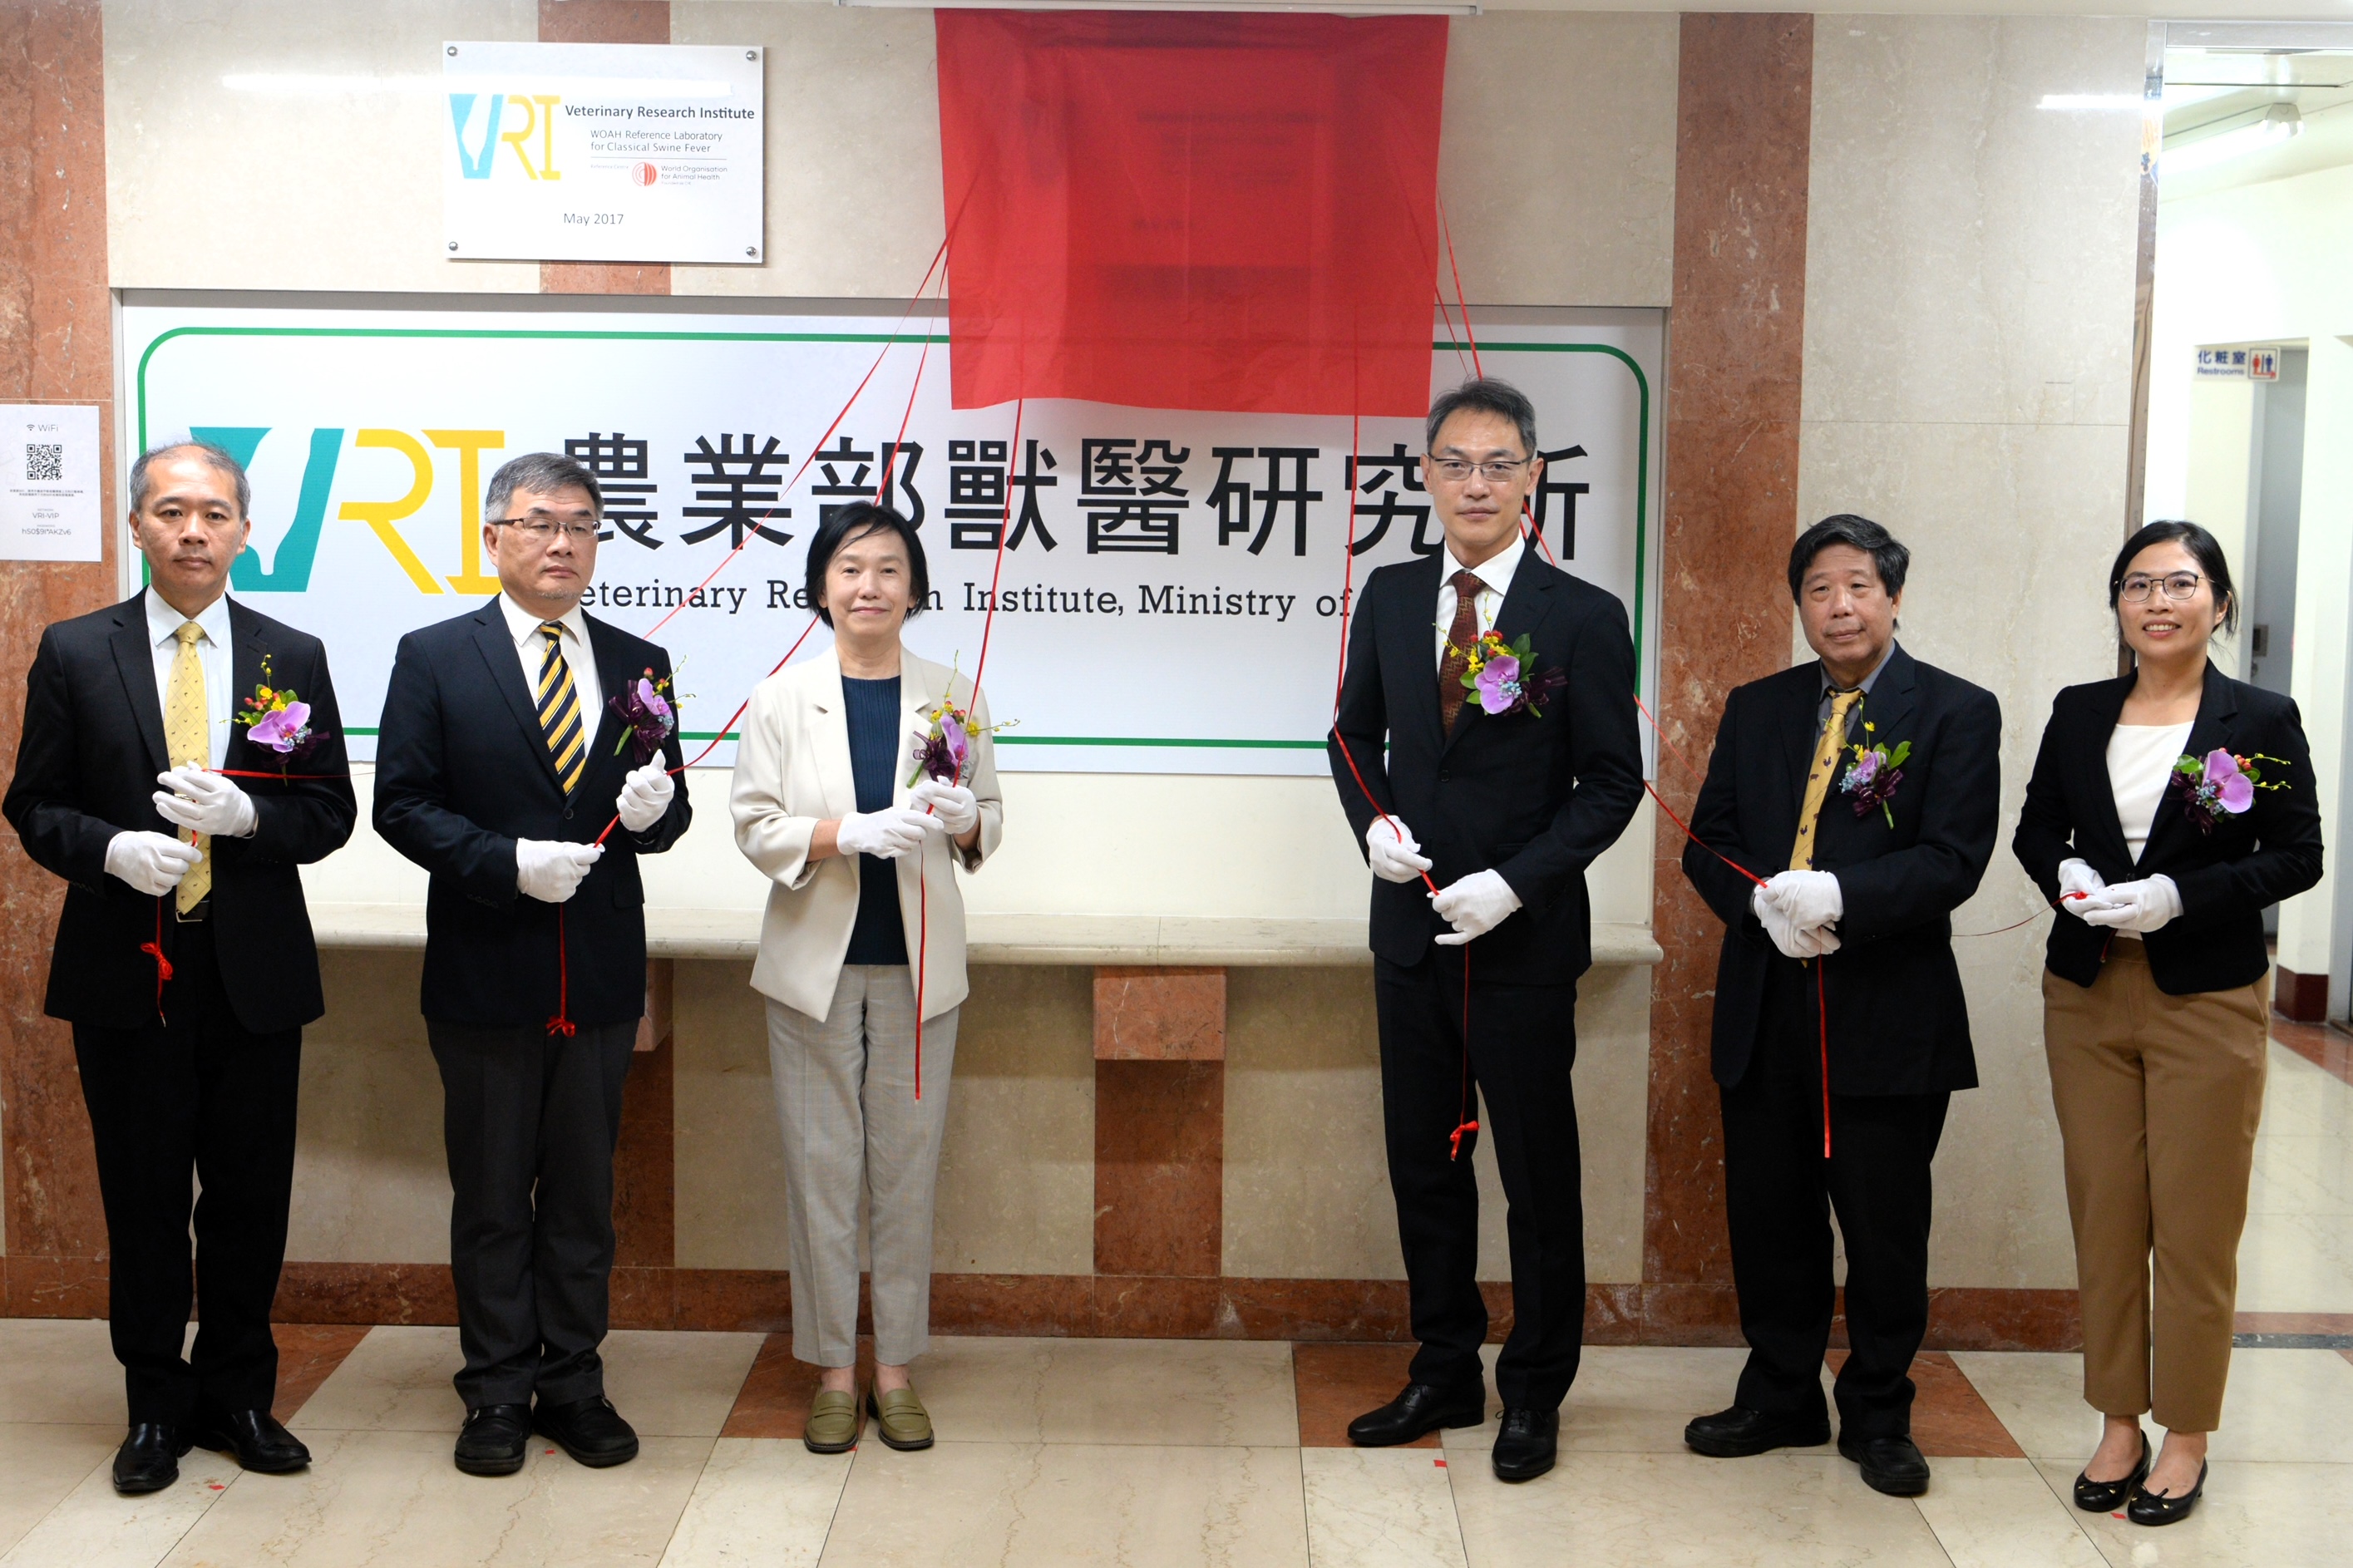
(1184, 210)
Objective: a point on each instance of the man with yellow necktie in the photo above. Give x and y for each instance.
(1858, 792)
(184, 957)
(502, 757)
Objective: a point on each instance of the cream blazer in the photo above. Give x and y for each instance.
(792, 771)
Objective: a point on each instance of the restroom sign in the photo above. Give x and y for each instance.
(2262, 364)
(2222, 363)
(602, 153)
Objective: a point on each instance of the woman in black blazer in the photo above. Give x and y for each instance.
(2167, 809)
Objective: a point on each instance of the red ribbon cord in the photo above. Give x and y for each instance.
(154, 950)
(562, 1024)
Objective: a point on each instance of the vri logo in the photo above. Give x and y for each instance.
(478, 133)
(290, 571)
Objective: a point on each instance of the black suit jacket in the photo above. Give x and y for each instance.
(86, 771)
(2270, 852)
(1898, 1021)
(462, 770)
(1535, 798)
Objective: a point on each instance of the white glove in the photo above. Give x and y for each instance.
(885, 835)
(1396, 857)
(1794, 941)
(1811, 900)
(2137, 907)
(645, 796)
(151, 862)
(1476, 905)
(2077, 877)
(206, 802)
(550, 871)
(953, 807)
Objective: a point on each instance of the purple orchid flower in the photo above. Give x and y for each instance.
(1499, 684)
(282, 728)
(943, 752)
(647, 716)
(1859, 777)
(2233, 790)
(653, 702)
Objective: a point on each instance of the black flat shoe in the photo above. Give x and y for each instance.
(260, 1443)
(149, 1459)
(1890, 1465)
(2107, 1497)
(1740, 1432)
(2155, 1508)
(1526, 1444)
(1422, 1407)
(590, 1430)
(491, 1442)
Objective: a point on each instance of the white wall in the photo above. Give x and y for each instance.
(2269, 264)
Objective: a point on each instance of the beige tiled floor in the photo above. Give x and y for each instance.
(1160, 1452)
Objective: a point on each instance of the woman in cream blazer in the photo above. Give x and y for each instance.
(863, 893)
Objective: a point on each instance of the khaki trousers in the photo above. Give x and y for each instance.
(2157, 1099)
(853, 1127)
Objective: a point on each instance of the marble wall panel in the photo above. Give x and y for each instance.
(1735, 362)
(1306, 1180)
(1016, 1175)
(371, 1180)
(57, 344)
(284, 144)
(1967, 383)
(1573, 203)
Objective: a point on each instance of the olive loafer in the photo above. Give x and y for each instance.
(901, 1419)
(832, 1425)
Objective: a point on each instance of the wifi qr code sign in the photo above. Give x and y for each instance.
(48, 491)
(45, 462)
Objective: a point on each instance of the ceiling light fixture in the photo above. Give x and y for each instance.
(2233, 136)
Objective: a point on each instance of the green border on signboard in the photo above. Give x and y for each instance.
(1642, 465)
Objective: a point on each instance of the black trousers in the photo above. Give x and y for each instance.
(1523, 1047)
(531, 1121)
(198, 1097)
(1779, 1194)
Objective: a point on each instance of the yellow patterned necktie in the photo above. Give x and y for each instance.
(187, 736)
(1818, 777)
(559, 710)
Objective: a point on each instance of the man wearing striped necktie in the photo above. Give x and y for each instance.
(500, 762)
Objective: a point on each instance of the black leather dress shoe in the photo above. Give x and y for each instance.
(2154, 1508)
(1890, 1465)
(590, 1430)
(1739, 1432)
(1526, 1444)
(1422, 1407)
(491, 1442)
(2107, 1497)
(260, 1443)
(149, 1459)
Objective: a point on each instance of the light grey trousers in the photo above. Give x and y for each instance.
(846, 1099)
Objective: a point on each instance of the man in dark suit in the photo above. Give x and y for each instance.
(1479, 813)
(184, 957)
(1863, 858)
(500, 762)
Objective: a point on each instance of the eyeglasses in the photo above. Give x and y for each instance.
(543, 528)
(1456, 471)
(2179, 586)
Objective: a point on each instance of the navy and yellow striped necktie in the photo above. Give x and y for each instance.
(559, 710)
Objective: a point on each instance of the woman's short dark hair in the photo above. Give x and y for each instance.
(2204, 549)
(1892, 559)
(856, 521)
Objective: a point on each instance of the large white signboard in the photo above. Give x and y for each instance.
(602, 151)
(1172, 582)
(49, 482)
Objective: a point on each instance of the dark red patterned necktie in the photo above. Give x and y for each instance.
(1459, 638)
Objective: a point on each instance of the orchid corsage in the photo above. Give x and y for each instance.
(648, 715)
(276, 718)
(946, 749)
(1504, 676)
(2220, 784)
(1873, 774)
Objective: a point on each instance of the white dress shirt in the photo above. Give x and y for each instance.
(532, 648)
(213, 654)
(1494, 576)
(2140, 770)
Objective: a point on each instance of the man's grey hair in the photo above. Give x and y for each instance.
(546, 472)
(141, 485)
(1486, 396)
